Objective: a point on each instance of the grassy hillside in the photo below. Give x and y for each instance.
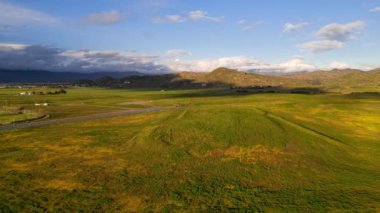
(377, 71)
(223, 77)
(221, 151)
(343, 78)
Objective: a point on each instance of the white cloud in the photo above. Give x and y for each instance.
(169, 19)
(339, 32)
(177, 53)
(103, 18)
(246, 25)
(333, 36)
(237, 62)
(338, 65)
(375, 10)
(290, 27)
(17, 16)
(195, 15)
(242, 63)
(343, 65)
(321, 46)
(242, 21)
(202, 15)
(296, 65)
(9, 46)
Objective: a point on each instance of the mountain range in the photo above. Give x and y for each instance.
(37, 76)
(223, 77)
(218, 78)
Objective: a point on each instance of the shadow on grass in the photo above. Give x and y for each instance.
(364, 95)
(172, 82)
(237, 92)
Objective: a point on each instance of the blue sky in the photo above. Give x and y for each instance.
(176, 35)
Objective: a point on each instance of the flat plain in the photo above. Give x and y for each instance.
(217, 151)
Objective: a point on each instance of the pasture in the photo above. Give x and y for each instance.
(219, 151)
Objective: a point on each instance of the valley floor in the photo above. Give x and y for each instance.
(219, 151)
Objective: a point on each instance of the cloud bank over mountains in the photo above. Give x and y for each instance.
(38, 57)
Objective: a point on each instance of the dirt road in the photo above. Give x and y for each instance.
(84, 118)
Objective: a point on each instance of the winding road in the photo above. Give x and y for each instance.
(85, 118)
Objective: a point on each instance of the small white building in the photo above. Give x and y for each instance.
(41, 104)
(26, 93)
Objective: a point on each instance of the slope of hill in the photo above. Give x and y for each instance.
(224, 76)
(377, 71)
(221, 77)
(36, 76)
(346, 77)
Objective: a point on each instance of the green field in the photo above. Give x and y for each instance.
(12, 113)
(220, 151)
(7, 117)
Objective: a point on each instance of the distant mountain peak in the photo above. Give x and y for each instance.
(223, 69)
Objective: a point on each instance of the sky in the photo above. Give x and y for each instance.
(160, 36)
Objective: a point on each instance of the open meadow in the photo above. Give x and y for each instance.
(217, 150)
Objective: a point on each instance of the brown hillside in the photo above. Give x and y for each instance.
(346, 77)
(223, 77)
